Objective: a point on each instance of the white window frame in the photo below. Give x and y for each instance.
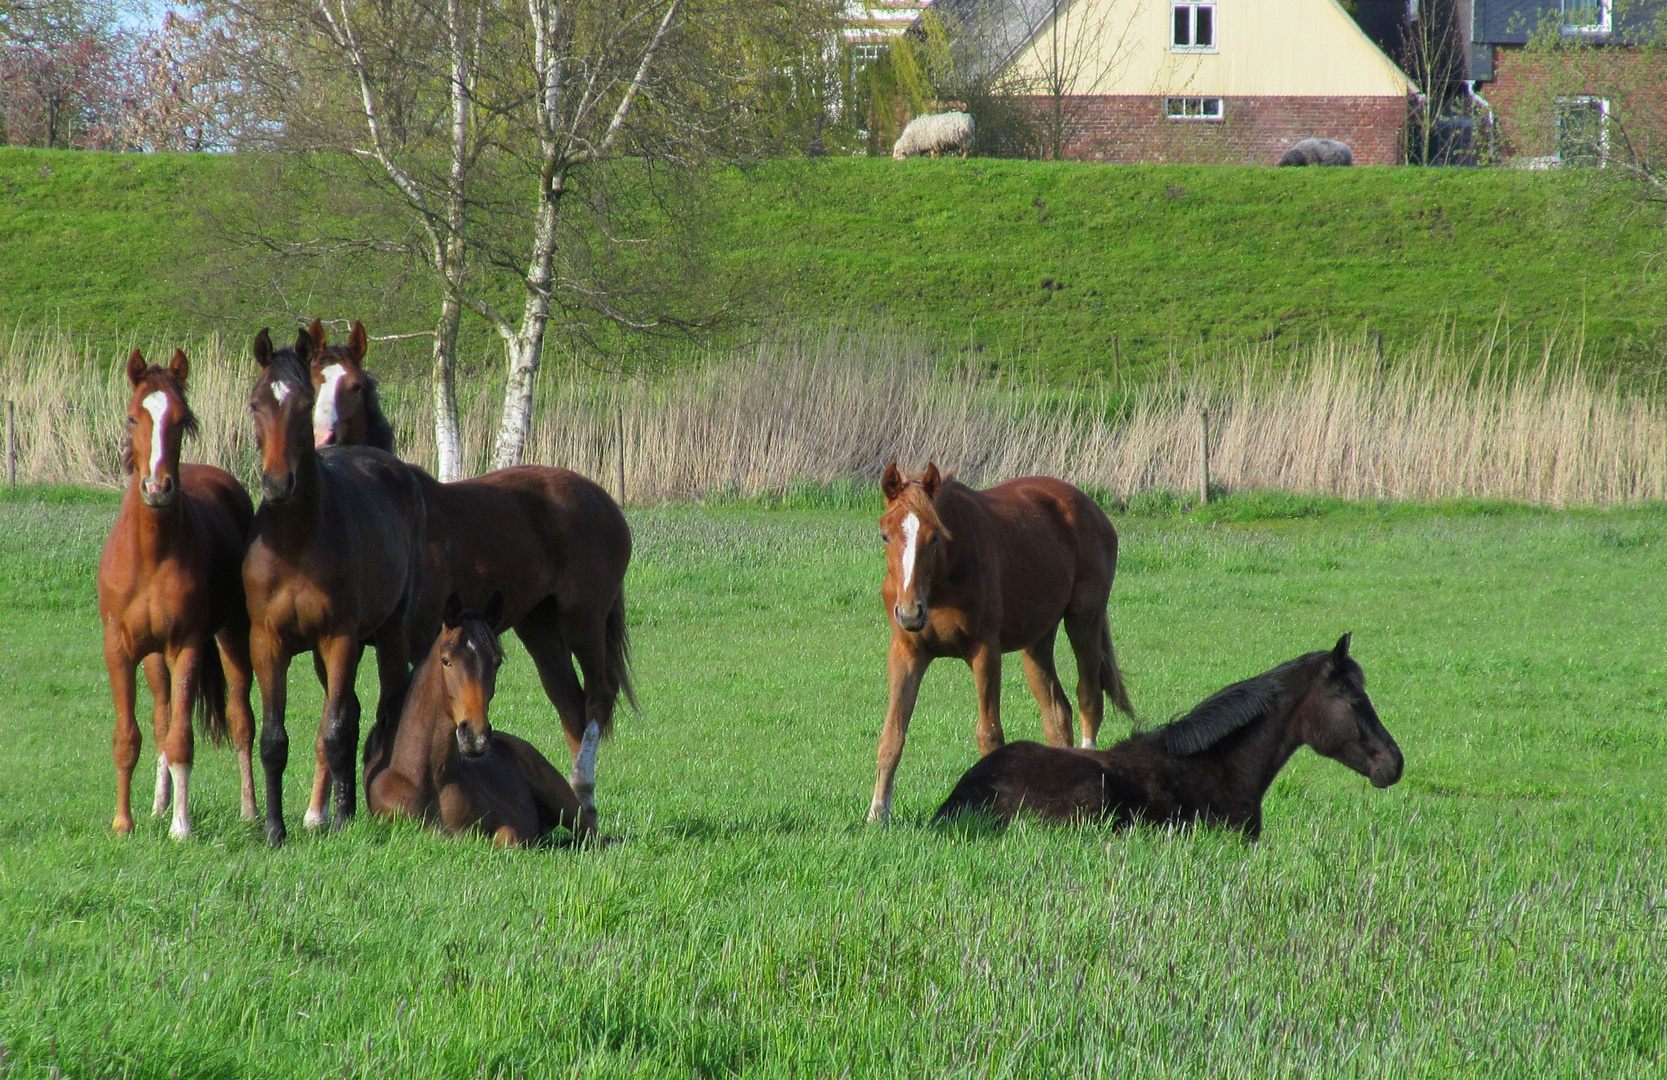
(1603, 123)
(1606, 17)
(1195, 109)
(1191, 7)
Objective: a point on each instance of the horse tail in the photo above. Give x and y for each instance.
(208, 709)
(1111, 676)
(617, 655)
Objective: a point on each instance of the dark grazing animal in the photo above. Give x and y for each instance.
(556, 547)
(1318, 152)
(1213, 765)
(449, 766)
(336, 558)
(974, 574)
(170, 593)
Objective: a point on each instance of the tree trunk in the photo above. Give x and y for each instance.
(448, 441)
(526, 347)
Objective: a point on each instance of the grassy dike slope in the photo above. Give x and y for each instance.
(1168, 258)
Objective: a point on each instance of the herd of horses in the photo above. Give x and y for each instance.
(352, 546)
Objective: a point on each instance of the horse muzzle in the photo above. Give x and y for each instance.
(323, 437)
(472, 742)
(913, 619)
(277, 491)
(157, 494)
(1386, 768)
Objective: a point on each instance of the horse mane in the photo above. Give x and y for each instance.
(1229, 709)
(287, 365)
(378, 432)
(157, 378)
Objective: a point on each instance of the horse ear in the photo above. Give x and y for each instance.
(932, 481)
(452, 614)
(263, 347)
(891, 484)
(136, 367)
(304, 343)
(316, 332)
(358, 340)
(179, 367)
(494, 610)
(1341, 652)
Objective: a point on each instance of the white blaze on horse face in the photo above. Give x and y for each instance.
(324, 408)
(157, 405)
(911, 543)
(280, 391)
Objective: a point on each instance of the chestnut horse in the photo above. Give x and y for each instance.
(448, 765)
(974, 574)
(1213, 765)
(170, 593)
(336, 559)
(554, 544)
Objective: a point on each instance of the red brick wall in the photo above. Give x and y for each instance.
(1253, 131)
(1527, 84)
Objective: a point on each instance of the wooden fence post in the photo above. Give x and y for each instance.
(1203, 456)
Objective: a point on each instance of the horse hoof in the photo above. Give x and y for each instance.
(275, 833)
(315, 819)
(179, 832)
(250, 813)
(123, 826)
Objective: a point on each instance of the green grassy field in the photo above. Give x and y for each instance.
(1500, 913)
(1042, 265)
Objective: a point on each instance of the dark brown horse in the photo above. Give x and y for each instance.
(170, 593)
(1213, 765)
(347, 408)
(556, 547)
(974, 574)
(336, 559)
(448, 765)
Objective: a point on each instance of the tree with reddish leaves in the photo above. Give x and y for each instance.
(62, 74)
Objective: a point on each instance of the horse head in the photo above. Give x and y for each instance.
(914, 536)
(157, 420)
(340, 412)
(469, 656)
(282, 405)
(1338, 721)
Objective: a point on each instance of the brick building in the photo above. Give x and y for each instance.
(1227, 81)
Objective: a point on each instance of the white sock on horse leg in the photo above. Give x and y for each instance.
(164, 789)
(181, 828)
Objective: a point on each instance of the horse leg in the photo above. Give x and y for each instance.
(1084, 634)
(541, 634)
(179, 747)
(905, 667)
(156, 677)
(271, 663)
(1050, 695)
(240, 718)
(318, 814)
(124, 688)
(986, 679)
(600, 692)
(339, 726)
(393, 674)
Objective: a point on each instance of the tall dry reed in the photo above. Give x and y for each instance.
(837, 403)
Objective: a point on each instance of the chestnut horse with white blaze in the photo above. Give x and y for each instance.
(336, 558)
(974, 574)
(170, 594)
(450, 766)
(552, 543)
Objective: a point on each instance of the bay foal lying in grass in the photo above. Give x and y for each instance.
(449, 766)
(170, 593)
(1213, 765)
(974, 574)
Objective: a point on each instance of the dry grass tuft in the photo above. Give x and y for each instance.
(818, 407)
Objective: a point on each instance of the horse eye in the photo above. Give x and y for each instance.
(132, 420)
(446, 660)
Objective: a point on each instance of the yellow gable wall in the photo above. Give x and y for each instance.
(1266, 48)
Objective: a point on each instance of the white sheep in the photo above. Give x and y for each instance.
(936, 133)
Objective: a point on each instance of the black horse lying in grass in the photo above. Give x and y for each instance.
(1213, 765)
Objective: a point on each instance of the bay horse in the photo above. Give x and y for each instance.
(448, 765)
(347, 408)
(975, 574)
(551, 542)
(1213, 765)
(336, 558)
(170, 594)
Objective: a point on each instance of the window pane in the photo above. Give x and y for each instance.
(1183, 24)
(1206, 34)
(1580, 133)
(1212, 106)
